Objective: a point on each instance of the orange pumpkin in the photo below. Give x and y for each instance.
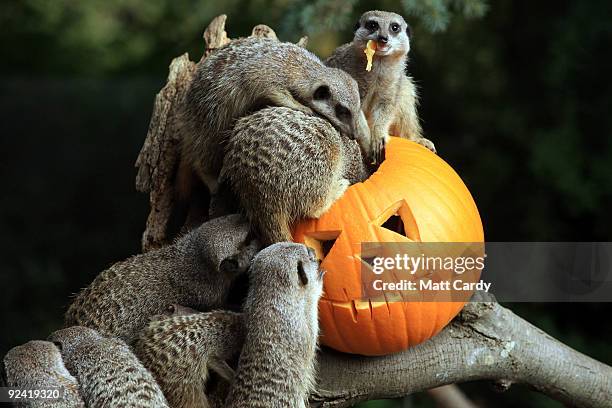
(433, 204)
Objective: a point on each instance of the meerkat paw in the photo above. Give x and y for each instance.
(221, 368)
(378, 149)
(426, 143)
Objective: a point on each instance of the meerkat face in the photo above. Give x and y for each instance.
(389, 30)
(336, 98)
(34, 357)
(291, 268)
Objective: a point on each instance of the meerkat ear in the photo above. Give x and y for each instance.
(302, 273)
(408, 31)
(356, 27)
(59, 345)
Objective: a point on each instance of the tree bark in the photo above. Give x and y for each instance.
(485, 342)
(158, 157)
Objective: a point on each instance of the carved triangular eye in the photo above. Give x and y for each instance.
(399, 219)
(395, 224)
(322, 242)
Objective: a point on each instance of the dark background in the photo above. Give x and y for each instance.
(516, 96)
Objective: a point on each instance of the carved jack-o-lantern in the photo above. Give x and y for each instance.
(418, 191)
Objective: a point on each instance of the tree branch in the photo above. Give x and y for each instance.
(485, 342)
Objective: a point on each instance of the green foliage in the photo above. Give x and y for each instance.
(101, 36)
(108, 36)
(321, 15)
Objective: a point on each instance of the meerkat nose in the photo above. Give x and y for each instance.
(383, 39)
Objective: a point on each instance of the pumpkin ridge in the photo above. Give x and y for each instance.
(466, 206)
(378, 342)
(341, 334)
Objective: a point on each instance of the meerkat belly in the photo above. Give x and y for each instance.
(381, 95)
(371, 101)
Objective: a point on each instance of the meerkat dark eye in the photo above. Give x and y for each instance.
(302, 273)
(321, 93)
(395, 27)
(371, 26)
(58, 345)
(343, 112)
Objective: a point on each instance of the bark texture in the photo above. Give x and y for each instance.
(485, 342)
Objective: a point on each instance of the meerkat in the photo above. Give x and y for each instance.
(284, 165)
(181, 350)
(108, 373)
(388, 96)
(252, 73)
(276, 367)
(171, 311)
(39, 365)
(120, 301)
(179, 310)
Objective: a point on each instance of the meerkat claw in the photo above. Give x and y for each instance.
(427, 143)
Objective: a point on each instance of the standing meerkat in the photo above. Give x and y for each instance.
(284, 165)
(181, 350)
(277, 362)
(108, 373)
(39, 365)
(249, 74)
(120, 301)
(388, 96)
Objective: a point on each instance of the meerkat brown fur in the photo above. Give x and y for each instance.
(39, 365)
(285, 165)
(180, 350)
(252, 73)
(121, 299)
(388, 96)
(108, 373)
(277, 362)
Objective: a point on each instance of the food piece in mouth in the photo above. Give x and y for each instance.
(369, 52)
